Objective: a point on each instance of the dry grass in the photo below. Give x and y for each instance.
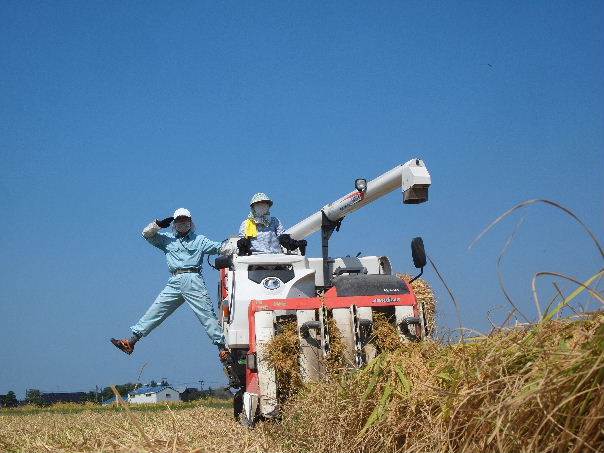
(540, 388)
(193, 429)
(514, 391)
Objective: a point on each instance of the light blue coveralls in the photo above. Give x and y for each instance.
(182, 253)
(268, 237)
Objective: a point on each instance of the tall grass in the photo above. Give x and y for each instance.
(512, 391)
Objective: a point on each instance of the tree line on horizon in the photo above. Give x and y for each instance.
(39, 398)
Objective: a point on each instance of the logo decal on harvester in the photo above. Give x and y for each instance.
(379, 300)
(351, 199)
(271, 283)
(391, 290)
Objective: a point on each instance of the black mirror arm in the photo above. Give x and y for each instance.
(417, 276)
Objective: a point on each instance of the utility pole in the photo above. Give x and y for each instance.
(200, 385)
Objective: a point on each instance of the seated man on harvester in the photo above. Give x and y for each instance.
(261, 233)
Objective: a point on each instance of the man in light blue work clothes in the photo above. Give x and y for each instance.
(184, 251)
(262, 233)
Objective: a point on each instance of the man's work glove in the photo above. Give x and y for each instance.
(245, 246)
(302, 246)
(287, 242)
(229, 246)
(164, 223)
(291, 244)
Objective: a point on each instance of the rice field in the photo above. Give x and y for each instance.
(147, 428)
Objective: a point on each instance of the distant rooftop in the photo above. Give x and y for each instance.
(156, 389)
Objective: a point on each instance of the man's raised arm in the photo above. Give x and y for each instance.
(150, 232)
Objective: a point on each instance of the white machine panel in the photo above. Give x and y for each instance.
(369, 265)
(266, 375)
(242, 290)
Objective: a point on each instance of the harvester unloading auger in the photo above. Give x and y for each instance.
(256, 292)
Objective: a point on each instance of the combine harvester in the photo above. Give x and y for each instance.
(258, 292)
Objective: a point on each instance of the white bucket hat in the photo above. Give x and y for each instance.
(261, 196)
(182, 212)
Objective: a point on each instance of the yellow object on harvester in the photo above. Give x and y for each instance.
(251, 229)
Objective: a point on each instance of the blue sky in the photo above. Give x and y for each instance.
(115, 113)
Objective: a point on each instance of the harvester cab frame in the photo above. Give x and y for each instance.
(258, 292)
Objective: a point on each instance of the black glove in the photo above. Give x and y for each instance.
(302, 246)
(291, 244)
(286, 241)
(245, 246)
(164, 223)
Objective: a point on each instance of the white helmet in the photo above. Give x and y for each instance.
(261, 196)
(182, 212)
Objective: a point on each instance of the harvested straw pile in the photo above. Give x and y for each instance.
(385, 335)
(424, 294)
(516, 391)
(283, 355)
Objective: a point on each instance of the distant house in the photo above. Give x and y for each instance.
(73, 397)
(156, 394)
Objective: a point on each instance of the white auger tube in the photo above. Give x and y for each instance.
(412, 177)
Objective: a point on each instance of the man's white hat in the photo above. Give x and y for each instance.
(182, 212)
(261, 196)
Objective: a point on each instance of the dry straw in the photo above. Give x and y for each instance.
(538, 390)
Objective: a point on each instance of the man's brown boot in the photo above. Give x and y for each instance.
(224, 355)
(124, 344)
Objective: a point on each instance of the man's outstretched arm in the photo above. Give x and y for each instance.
(210, 247)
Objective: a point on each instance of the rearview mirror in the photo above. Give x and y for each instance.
(418, 252)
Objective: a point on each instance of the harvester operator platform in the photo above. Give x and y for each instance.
(261, 233)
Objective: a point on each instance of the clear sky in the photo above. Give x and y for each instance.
(115, 113)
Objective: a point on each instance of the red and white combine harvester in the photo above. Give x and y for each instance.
(257, 292)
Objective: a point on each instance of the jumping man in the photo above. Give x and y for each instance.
(184, 250)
